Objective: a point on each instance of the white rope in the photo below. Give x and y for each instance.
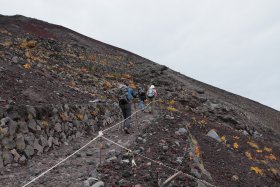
(99, 135)
(42, 174)
(159, 163)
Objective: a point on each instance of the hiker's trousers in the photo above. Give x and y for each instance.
(126, 110)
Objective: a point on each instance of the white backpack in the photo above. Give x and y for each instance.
(151, 93)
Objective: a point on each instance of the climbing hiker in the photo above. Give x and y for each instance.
(142, 96)
(151, 94)
(126, 94)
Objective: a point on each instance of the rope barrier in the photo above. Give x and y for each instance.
(159, 163)
(98, 136)
(48, 170)
(101, 135)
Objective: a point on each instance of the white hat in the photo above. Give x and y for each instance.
(152, 86)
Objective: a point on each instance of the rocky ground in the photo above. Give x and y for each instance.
(203, 131)
(80, 168)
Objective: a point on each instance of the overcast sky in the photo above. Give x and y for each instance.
(231, 44)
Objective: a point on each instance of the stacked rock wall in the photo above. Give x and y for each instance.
(26, 131)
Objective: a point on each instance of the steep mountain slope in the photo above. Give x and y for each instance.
(43, 64)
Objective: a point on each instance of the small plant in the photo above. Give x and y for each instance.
(257, 170)
(28, 44)
(26, 66)
(253, 144)
(267, 149)
(271, 157)
(248, 155)
(235, 145)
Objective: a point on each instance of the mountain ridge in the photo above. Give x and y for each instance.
(45, 65)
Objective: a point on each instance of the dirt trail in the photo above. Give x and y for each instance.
(78, 168)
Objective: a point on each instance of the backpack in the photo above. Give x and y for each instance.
(123, 95)
(141, 91)
(151, 93)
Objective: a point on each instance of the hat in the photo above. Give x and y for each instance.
(152, 86)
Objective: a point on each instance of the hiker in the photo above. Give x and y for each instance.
(142, 97)
(151, 94)
(126, 95)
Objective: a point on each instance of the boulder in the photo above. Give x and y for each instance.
(20, 143)
(38, 147)
(22, 160)
(29, 138)
(181, 131)
(31, 110)
(15, 154)
(7, 157)
(8, 142)
(32, 126)
(111, 159)
(29, 151)
(213, 134)
(57, 127)
(4, 121)
(89, 153)
(179, 160)
(78, 134)
(43, 141)
(98, 184)
(228, 119)
(55, 141)
(14, 115)
(200, 90)
(92, 180)
(23, 127)
(15, 59)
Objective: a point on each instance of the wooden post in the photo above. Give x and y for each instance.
(170, 179)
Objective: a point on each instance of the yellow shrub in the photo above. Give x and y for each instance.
(126, 76)
(107, 85)
(257, 170)
(26, 66)
(248, 155)
(28, 44)
(223, 139)
(267, 149)
(253, 144)
(171, 102)
(172, 109)
(271, 157)
(235, 145)
(274, 171)
(80, 116)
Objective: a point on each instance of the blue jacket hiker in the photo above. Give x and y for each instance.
(126, 94)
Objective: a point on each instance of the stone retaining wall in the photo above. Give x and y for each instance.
(26, 131)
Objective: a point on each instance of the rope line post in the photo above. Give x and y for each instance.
(100, 134)
(161, 164)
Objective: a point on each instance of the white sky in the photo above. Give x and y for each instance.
(231, 44)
